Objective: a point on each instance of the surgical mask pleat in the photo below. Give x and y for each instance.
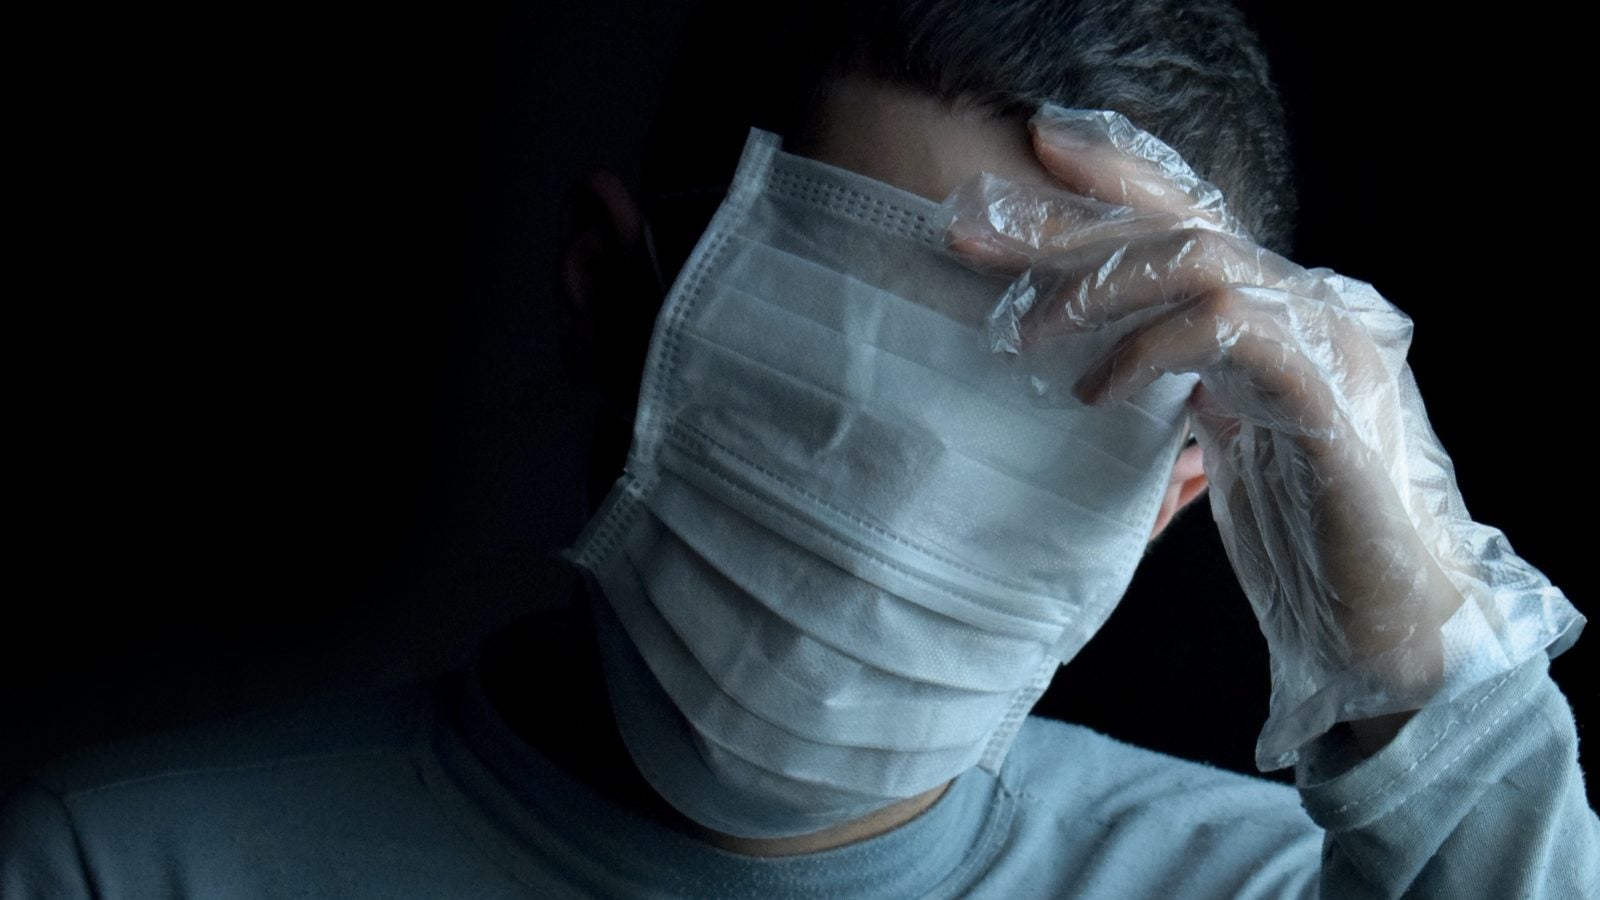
(926, 490)
(734, 797)
(779, 365)
(718, 718)
(789, 362)
(942, 583)
(835, 608)
(803, 685)
(800, 786)
(949, 355)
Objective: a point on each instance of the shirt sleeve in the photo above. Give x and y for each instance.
(1479, 797)
(39, 856)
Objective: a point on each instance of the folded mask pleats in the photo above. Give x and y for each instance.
(836, 608)
(783, 675)
(894, 443)
(873, 432)
(721, 719)
(729, 794)
(932, 512)
(803, 789)
(768, 296)
(940, 583)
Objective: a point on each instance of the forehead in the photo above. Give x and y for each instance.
(893, 134)
(917, 142)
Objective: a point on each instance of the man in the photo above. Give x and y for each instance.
(467, 790)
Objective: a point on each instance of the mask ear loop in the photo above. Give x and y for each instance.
(615, 417)
(655, 258)
(708, 197)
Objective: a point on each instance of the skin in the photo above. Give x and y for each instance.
(928, 147)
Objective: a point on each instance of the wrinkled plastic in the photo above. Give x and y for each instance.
(1339, 510)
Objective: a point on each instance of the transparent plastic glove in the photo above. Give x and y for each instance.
(1376, 591)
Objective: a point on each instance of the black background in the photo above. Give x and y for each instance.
(289, 415)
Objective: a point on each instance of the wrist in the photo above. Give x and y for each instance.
(1375, 733)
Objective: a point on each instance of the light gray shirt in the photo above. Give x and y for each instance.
(427, 792)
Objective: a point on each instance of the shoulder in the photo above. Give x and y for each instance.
(191, 784)
(1050, 756)
(225, 803)
(1052, 760)
(1107, 818)
(305, 733)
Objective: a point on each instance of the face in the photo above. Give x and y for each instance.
(892, 134)
(888, 133)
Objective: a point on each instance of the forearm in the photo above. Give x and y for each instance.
(1478, 797)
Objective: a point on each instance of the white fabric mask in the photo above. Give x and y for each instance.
(848, 547)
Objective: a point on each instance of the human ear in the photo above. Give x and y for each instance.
(610, 291)
(607, 306)
(604, 231)
(1188, 482)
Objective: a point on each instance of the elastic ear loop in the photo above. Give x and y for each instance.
(654, 257)
(700, 193)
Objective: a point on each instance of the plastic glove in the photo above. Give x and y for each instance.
(1375, 590)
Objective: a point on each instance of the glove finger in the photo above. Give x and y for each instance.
(1101, 154)
(1250, 365)
(997, 226)
(1093, 285)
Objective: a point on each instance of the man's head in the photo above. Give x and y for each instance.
(1190, 73)
(921, 94)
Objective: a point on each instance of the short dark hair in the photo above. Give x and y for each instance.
(1191, 72)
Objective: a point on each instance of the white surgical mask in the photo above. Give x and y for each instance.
(849, 550)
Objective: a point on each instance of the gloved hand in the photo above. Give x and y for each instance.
(1376, 591)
